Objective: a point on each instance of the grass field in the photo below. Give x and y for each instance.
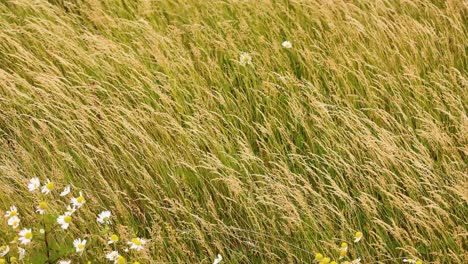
(146, 107)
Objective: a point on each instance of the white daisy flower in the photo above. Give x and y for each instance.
(137, 244)
(42, 231)
(286, 44)
(48, 187)
(65, 191)
(126, 250)
(25, 236)
(245, 59)
(356, 261)
(218, 259)
(344, 246)
(104, 217)
(34, 184)
(120, 260)
(14, 222)
(412, 261)
(12, 212)
(343, 250)
(64, 262)
(64, 221)
(4, 250)
(78, 201)
(112, 256)
(79, 245)
(43, 206)
(71, 209)
(21, 252)
(113, 239)
(357, 237)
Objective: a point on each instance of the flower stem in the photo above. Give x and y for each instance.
(46, 241)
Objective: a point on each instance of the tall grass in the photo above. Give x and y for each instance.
(144, 106)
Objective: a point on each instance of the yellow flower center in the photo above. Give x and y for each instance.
(67, 219)
(50, 186)
(121, 260)
(13, 213)
(114, 238)
(80, 246)
(43, 205)
(15, 223)
(136, 242)
(2, 248)
(28, 235)
(344, 245)
(2, 261)
(13, 259)
(358, 234)
(318, 256)
(80, 199)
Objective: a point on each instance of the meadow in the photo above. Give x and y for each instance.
(266, 131)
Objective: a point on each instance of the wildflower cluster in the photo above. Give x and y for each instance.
(345, 258)
(246, 59)
(38, 236)
(119, 252)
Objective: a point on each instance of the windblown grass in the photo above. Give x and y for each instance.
(144, 106)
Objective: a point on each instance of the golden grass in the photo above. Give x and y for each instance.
(144, 106)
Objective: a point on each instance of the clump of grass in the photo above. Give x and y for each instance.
(359, 124)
